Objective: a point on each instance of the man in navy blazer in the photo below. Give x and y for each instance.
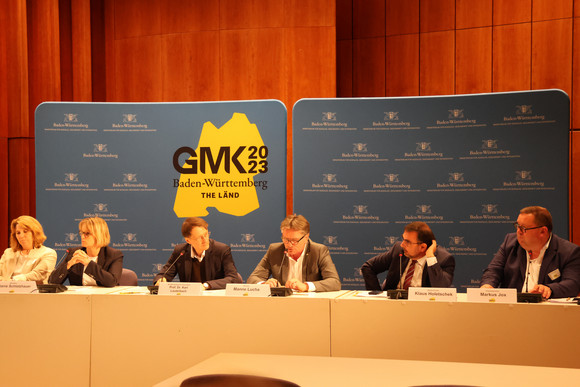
(535, 260)
(433, 267)
(201, 259)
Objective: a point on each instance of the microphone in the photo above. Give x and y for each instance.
(399, 292)
(60, 261)
(281, 265)
(528, 269)
(400, 271)
(173, 263)
(280, 291)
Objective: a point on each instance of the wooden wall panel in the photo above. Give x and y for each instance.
(402, 68)
(66, 49)
(136, 18)
(510, 11)
(189, 16)
(15, 96)
(4, 34)
(310, 75)
(511, 58)
(236, 14)
(369, 67)
(368, 18)
(552, 9)
(310, 13)
(344, 71)
(575, 107)
(252, 64)
(344, 19)
(138, 70)
(4, 204)
(402, 17)
(437, 63)
(98, 52)
(21, 187)
(437, 15)
(44, 55)
(473, 13)
(575, 187)
(576, 8)
(81, 48)
(552, 55)
(190, 66)
(473, 60)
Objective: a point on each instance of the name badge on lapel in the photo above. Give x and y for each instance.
(555, 274)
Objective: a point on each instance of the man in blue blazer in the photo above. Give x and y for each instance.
(417, 261)
(534, 260)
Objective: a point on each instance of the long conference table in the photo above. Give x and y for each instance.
(124, 336)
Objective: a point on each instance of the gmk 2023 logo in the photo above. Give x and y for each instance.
(220, 171)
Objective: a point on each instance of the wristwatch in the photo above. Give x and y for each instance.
(205, 285)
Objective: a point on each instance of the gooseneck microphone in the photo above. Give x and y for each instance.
(400, 271)
(529, 261)
(173, 263)
(60, 261)
(280, 271)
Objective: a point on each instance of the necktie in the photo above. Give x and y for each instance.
(409, 275)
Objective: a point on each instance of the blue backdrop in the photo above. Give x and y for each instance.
(145, 167)
(465, 164)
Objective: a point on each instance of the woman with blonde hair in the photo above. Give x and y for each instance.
(93, 264)
(27, 259)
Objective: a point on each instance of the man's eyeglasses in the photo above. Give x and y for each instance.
(292, 242)
(523, 229)
(408, 242)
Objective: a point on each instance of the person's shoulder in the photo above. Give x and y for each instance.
(276, 245)
(8, 252)
(43, 250)
(219, 245)
(112, 251)
(442, 252)
(316, 245)
(561, 243)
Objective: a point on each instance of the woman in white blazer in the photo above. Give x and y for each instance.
(27, 259)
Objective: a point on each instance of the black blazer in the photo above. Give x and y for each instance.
(439, 275)
(106, 271)
(219, 265)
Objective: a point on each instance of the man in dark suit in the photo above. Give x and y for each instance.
(201, 259)
(297, 263)
(417, 261)
(534, 260)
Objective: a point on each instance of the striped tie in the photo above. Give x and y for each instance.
(409, 275)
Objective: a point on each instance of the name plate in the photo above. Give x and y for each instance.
(248, 290)
(501, 296)
(180, 289)
(432, 294)
(17, 287)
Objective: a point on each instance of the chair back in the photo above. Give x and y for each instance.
(128, 278)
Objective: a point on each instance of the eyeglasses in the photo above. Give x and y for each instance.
(84, 234)
(408, 242)
(523, 229)
(292, 242)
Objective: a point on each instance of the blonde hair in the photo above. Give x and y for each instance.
(31, 224)
(98, 228)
